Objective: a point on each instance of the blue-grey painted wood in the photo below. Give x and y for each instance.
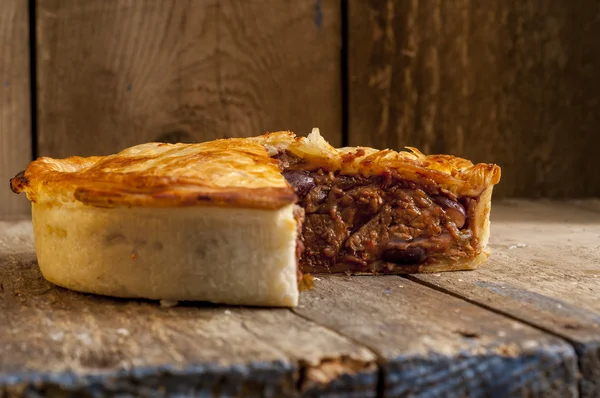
(544, 270)
(431, 344)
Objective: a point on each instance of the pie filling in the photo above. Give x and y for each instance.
(378, 224)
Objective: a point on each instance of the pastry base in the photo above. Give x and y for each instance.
(222, 255)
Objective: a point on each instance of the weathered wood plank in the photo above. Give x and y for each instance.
(432, 344)
(509, 82)
(428, 343)
(544, 270)
(15, 111)
(54, 340)
(117, 73)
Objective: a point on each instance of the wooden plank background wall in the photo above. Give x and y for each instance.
(15, 130)
(514, 83)
(510, 82)
(118, 73)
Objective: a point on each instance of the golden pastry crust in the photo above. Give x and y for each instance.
(455, 175)
(236, 172)
(229, 173)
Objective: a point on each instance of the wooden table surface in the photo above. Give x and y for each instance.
(525, 324)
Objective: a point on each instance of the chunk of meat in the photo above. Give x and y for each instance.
(301, 181)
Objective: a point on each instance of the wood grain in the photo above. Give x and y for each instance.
(117, 73)
(57, 341)
(544, 270)
(432, 344)
(425, 341)
(15, 116)
(512, 83)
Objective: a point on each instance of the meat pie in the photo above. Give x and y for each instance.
(239, 221)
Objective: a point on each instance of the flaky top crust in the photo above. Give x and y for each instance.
(236, 172)
(232, 172)
(455, 175)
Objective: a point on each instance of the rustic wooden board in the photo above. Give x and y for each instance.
(431, 344)
(15, 116)
(117, 73)
(544, 270)
(513, 83)
(426, 343)
(55, 340)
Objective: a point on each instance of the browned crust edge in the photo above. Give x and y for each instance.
(108, 195)
(84, 180)
(456, 176)
(259, 198)
(19, 182)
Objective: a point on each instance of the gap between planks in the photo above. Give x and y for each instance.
(423, 347)
(380, 358)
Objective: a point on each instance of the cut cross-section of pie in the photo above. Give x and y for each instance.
(238, 221)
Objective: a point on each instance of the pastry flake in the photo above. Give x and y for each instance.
(233, 172)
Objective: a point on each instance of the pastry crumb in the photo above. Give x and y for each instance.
(123, 332)
(517, 246)
(306, 283)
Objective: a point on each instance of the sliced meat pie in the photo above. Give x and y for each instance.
(239, 221)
